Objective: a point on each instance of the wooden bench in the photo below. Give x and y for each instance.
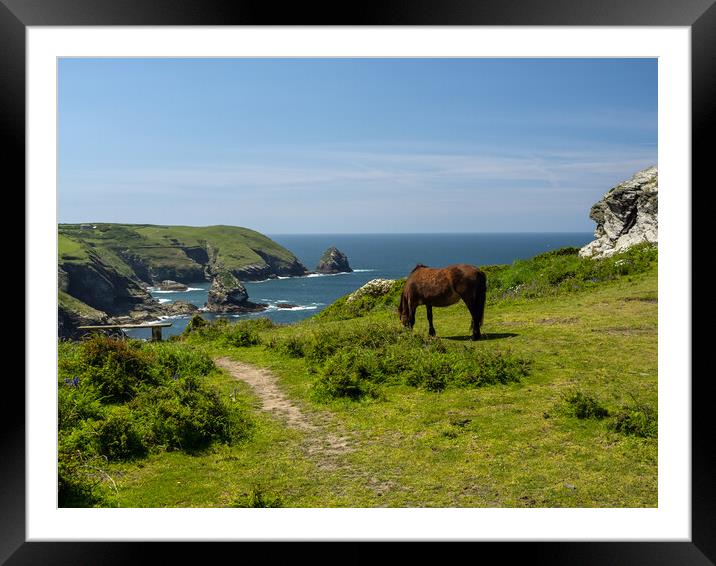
(156, 328)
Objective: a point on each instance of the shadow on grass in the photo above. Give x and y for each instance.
(485, 336)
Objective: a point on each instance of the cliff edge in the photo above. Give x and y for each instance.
(626, 215)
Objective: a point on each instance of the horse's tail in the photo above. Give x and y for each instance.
(480, 296)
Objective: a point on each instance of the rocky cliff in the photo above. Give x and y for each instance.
(333, 261)
(626, 215)
(101, 285)
(104, 269)
(227, 294)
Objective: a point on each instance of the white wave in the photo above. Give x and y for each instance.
(157, 290)
(327, 274)
(363, 270)
(161, 301)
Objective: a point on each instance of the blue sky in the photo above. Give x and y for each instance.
(351, 145)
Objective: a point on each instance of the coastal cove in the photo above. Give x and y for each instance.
(385, 256)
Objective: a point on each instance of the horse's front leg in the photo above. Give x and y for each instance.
(431, 328)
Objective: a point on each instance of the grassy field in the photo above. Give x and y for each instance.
(556, 407)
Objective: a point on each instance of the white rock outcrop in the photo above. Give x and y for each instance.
(374, 288)
(626, 215)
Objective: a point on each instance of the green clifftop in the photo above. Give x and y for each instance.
(182, 253)
(107, 267)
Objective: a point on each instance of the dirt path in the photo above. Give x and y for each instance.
(320, 442)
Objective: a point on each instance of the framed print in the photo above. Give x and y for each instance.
(78, 77)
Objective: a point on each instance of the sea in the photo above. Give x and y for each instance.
(385, 256)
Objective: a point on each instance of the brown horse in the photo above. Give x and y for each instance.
(442, 287)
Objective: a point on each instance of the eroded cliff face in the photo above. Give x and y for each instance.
(626, 215)
(101, 286)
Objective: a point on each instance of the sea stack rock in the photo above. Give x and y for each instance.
(227, 294)
(626, 215)
(226, 290)
(333, 261)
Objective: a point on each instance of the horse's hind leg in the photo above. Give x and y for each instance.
(475, 326)
(431, 329)
(474, 314)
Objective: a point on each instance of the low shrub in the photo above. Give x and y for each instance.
(175, 359)
(637, 419)
(257, 498)
(188, 415)
(351, 373)
(490, 367)
(118, 435)
(81, 482)
(76, 403)
(118, 369)
(353, 362)
(584, 406)
(237, 334)
(120, 399)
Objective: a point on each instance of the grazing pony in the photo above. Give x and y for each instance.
(442, 287)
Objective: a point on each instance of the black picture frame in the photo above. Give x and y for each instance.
(17, 15)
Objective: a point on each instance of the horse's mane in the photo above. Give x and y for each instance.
(418, 267)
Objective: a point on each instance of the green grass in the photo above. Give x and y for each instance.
(161, 247)
(70, 250)
(572, 425)
(71, 304)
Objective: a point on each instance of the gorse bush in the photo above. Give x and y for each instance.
(188, 415)
(117, 368)
(178, 360)
(118, 435)
(237, 334)
(352, 362)
(121, 399)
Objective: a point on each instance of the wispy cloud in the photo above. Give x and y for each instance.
(335, 169)
(472, 186)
